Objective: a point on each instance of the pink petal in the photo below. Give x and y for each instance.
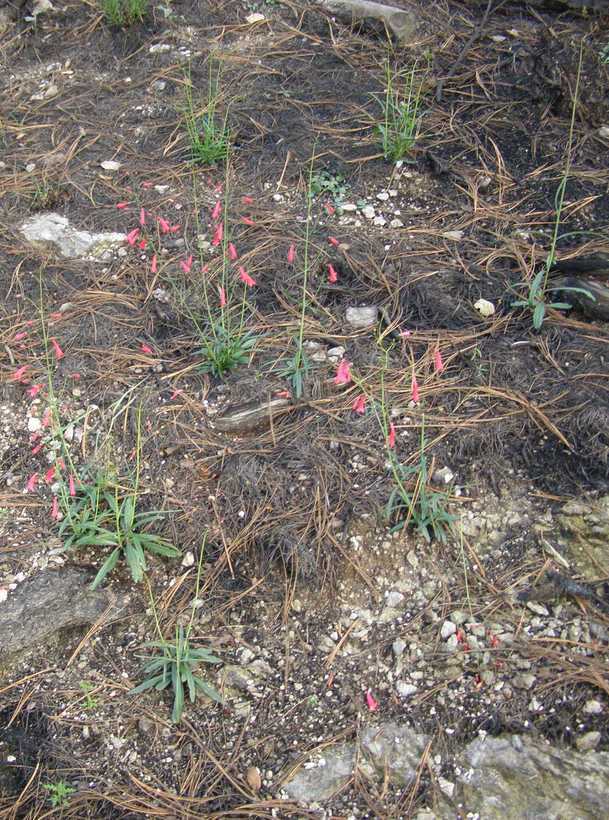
(247, 200)
(153, 264)
(333, 241)
(46, 417)
(36, 449)
(291, 254)
(391, 436)
(146, 184)
(142, 244)
(343, 373)
(371, 703)
(247, 221)
(72, 485)
(437, 361)
(31, 482)
(19, 336)
(132, 236)
(55, 508)
(50, 474)
(174, 229)
(34, 390)
(414, 386)
(330, 209)
(18, 375)
(59, 354)
(216, 211)
(146, 348)
(142, 217)
(122, 205)
(405, 333)
(186, 264)
(232, 252)
(332, 274)
(359, 405)
(218, 234)
(245, 277)
(222, 294)
(163, 224)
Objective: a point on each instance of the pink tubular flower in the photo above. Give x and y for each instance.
(146, 348)
(122, 205)
(437, 361)
(50, 474)
(142, 244)
(222, 295)
(19, 374)
(36, 449)
(371, 703)
(142, 217)
(247, 200)
(414, 388)
(132, 236)
(245, 277)
(153, 264)
(332, 274)
(218, 234)
(405, 333)
(359, 405)
(247, 221)
(391, 436)
(333, 241)
(34, 390)
(59, 354)
(174, 228)
(232, 252)
(55, 509)
(330, 209)
(163, 224)
(343, 373)
(31, 483)
(46, 417)
(71, 485)
(216, 211)
(19, 336)
(186, 264)
(291, 254)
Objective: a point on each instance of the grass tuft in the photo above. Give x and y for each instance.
(124, 13)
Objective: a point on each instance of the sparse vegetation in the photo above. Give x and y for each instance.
(59, 793)
(208, 135)
(400, 122)
(123, 13)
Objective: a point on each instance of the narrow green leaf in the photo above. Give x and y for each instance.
(107, 567)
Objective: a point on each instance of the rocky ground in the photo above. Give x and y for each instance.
(372, 663)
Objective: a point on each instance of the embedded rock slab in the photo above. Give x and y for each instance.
(56, 229)
(386, 749)
(521, 778)
(47, 603)
(586, 528)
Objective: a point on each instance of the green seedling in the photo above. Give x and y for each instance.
(223, 350)
(175, 667)
(59, 793)
(208, 135)
(401, 115)
(326, 183)
(123, 13)
(87, 687)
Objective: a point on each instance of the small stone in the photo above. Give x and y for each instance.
(159, 48)
(405, 690)
(458, 617)
(484, 308)
(362, 317)
(603, 132)
(3, 594)
(454, 235)
(593, 707)
(395, 599)
(159, 85)
(446, 786)
(161, 189)
(31, 166)
(34, 424)
(255, 17)
(51, 91)
(383, 196)
(188, 560)
(538, 609)
(451, 645)
(335, 354)
(498, 38)
(110, 165)
(484, 183)
(443, 476)
(349, 206)
(524, 681)
(145, 725)
(448, 629)
(398, 647)
(396, 223)
(589, 741)
(368, 211)
(379, 221)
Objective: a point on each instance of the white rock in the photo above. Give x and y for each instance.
(383, 196)
(398, 647)
(362, 317)
(379, 221)
(448, 629)
(159, 48)
(3, 594)
(40, 6)
(443, 476)
(484, 307)
(603, 132)
(368, 211)
(588, 741)
(446, 786)
(396, 223)
(189, 559)
(593, 707)
(34, 424)
(454, 235)
(405, 690)
(335, 354)
(395, 598)
(72, 243)
(538, 609)
(31, 166)
(161, 189)
(498, 38)
(349, 206)
(255, 17)
(110, 165)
